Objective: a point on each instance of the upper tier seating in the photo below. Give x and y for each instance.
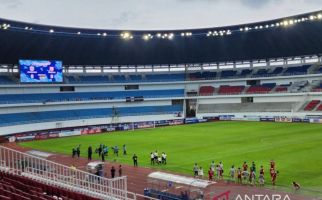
(93, 79)
(311, 105)
(276, 71)
(297, 70)
(245, 72)
(226, 89)
(164, 77)
(174, 76)
(261, 72)
(63, 115)
(6, 80)
(258, 89)
(207, 75)
(228, 73)
(85, 96)
(13, 187)
(206, 90)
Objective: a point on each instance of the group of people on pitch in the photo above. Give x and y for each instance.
(102, 151)
(156, 159)
(241, 175)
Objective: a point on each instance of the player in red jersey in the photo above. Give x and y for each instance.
(210, 174)
(245, 166)
(239, 175)
(274, 176)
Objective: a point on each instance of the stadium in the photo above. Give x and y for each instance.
(229, 112)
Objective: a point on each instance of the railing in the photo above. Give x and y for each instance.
(54, 174)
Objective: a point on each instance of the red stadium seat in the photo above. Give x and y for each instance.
(311, 105)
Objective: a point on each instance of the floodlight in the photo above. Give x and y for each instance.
(320, 16)
(126, 35)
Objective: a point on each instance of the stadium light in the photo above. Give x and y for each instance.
(285, 23)
(104, 34)
(126, 35)
(51, 31)
(78, 33)
(170, 36)
(159, 35)
(147, 36)
(320, 16)
(312, 17)
(26, 28)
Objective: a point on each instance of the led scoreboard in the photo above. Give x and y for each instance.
(41, 71)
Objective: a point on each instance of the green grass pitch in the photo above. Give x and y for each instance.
(296, 147)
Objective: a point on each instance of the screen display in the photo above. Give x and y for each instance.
(41, 71)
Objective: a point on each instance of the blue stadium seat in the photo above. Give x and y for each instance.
(245, 72)
(228, 73)
(276, 71)
(164, 77)
(6, 80)
(83, 96)
(37, 117)
(301, 70)
(260, 72)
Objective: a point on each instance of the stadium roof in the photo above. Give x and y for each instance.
(286, 37)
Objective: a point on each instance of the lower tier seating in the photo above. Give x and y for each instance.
(206, 90)
(259, 89)
(231, 89)
(311, 105)
(319, 108)
(13, 187)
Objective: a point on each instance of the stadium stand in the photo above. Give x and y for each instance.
(312, 105)
(319, 108)
(246, 72)
(231, 89)
(276, 71)
(37, 117)
(281, 88)
(6, 80)
(93, 79)
(206, 90)
(228, 73)
(259, 89)
(300, 70)
(13, 187)
(86, 96)
(261, 73)
(164, 77)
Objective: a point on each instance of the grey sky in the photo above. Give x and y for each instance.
(151, 14)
